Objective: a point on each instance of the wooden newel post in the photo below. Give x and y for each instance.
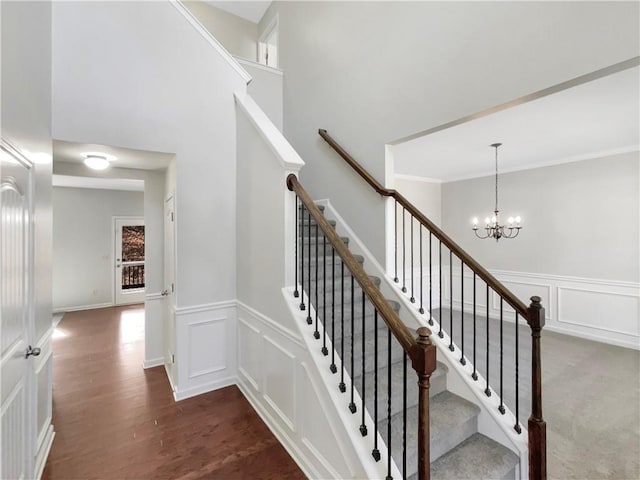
(423, 360)
(537, 425)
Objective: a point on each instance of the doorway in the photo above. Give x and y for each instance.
(129, 278)
(169, 290)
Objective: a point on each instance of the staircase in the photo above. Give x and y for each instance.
(458, 451)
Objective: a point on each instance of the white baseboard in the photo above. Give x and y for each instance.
(154, 362)
(205, 388)
(78, 308)
(43, 453)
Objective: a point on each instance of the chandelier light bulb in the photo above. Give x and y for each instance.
(494, 219)
(487, 221)
(475, 221)
(518, 219)
(510, 220)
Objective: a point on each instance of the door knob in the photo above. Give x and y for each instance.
(164, 293)
(32, 351)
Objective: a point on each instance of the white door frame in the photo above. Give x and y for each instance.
(138, 295)
(169, 347)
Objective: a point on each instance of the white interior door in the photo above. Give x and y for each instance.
(169, 287)
(16, 367)
(129, 260)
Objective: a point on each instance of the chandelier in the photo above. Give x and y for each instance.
(492, 227)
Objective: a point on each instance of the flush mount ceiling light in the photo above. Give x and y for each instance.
(492, 227)
(97, 161)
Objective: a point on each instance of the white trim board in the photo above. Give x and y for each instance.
(211, 40)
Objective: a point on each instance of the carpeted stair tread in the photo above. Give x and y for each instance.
(320, 207)
(396, 350)
(337, 286)
(452, 420)
(477, 458)
(327, 259)
(438, 383)
(304, 223)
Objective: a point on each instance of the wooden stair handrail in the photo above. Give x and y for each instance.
(397, 326)
(468, 260)
(420, 349)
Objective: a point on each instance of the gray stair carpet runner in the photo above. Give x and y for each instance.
(458, 451)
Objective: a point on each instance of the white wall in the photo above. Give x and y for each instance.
(83, 248)
(26, 123)
(373, 72)
(237, 35)
(564, 209)
(266, 89)
(425, 195)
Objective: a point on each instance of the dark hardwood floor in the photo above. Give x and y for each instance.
(115, 420)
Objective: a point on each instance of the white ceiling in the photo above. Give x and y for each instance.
(125, 157)
(594, 119)
(249, 10)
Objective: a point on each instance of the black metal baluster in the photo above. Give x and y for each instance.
(363, 426)
(389, 477)
(404, 248)
(487, 390)
(324, 350)
(463, 361)
(421, 309)
(309, 319)
(296, 293)
(316, 305)
(440, 334)
(333, 311)
(301, 240)
(413, 298)
(342, 386)
(474, 375)
(375, 453)
(451, 347)
(395, 237)
(501, 408)
(352, 404)
(517, 425)
(404, 414)
(430, 283)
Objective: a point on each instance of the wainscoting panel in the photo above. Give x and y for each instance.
(280, 379)
(600, 310)
(204, 359)
(249, 350)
